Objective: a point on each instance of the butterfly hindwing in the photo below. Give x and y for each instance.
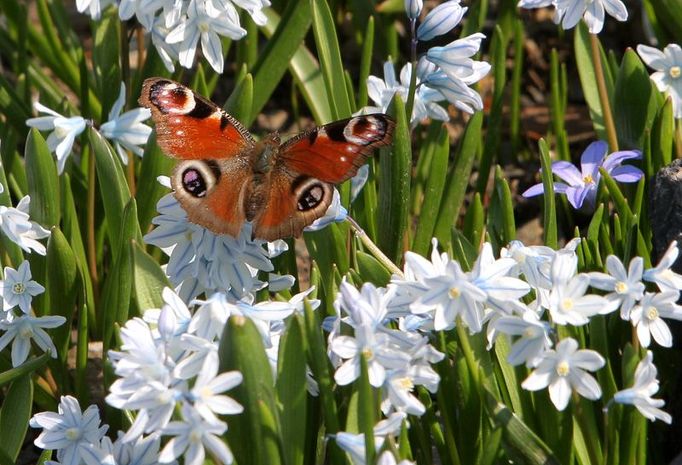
(189, 126)
(333, 153)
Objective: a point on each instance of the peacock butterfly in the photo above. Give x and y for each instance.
(227, 178)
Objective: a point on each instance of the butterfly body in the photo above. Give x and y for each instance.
(226, 178)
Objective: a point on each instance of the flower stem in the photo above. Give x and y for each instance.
(413, 76)
(92, 240)
(372, 247)
(678, 138)
(603, 95)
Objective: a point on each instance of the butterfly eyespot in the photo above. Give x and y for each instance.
(197, 177)
(310, 198)
(193, 182)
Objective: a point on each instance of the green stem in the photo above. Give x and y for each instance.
(413, 76)
(603, 94)
(372, 247)
(92, 240)
(678, 138)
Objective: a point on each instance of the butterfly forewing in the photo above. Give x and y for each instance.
(334, 152)
(189, 126)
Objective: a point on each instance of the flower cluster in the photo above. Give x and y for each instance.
(177, 27)
(523, 296)
(168, 374)
(569, 12)
(17, 321)
(582, 185)
(126, 131)
(442, 74)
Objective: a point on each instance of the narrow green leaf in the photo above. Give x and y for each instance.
(112, 185)
(366, 410)
(241, 348)
(15, 414)
(662, 138)
(240, 102)
(149, 191)
(326, 40)
(433, 193)
(149, 279)
(63, 286)
(394, 186)
(458, 179)
(520, 440)
(550, 222)
(27, 367)
(583, 57)
(365, 62)
(501, 216)
(292, 391)
(371, 270)
(474, 221)
(105, 57)
(43, 183)
(284, 49)
(635, 102)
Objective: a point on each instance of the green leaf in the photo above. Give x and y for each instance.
(662, 137)
(112, 183)
(284, 49)
(291, 390)
(501, 215)
(105, 58)
(27, 367)
(63, 286)
(365, 62)
(366, 410)
(118, 284)
(394, 186)
(149, 191)
(326, 40)
(250, 435)
(458, 179)
(588, 79)
(15, 414)
(43, 183)
(149, 280)
(520, 440)
(635, 103)
(372, 270)
(240, 102)
(433, 193)
(550, 222)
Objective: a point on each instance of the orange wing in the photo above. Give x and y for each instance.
(188, 126)
(333, 153)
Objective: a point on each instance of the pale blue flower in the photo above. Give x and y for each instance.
(662, 274)
(354, 444)
(192, 436)
(413, 8)
(126, 130)
(441, 20)
(336, 213)
(71, 432)
(64, 132)
(207, 23)
(18, 289)
(564, 370)
(17, 226)
(645, 386)
(22, 329)
(668, 75)
(93, 7)
(582, 185)
(647, 317)
(626, 286)
(569, 12)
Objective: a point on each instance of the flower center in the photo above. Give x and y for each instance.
(675, 72)
(204, 27)
(651, 313)
(165, 397)
(25, 331)
(367, 353)
(61, 131)
(18, 288)
(563, 368)
(72, 434)
(195, 436)
(528, 333)
(454, 292)
(621, 287)
(567, 304)
(205, 392)
(588, 179)
(406, 383)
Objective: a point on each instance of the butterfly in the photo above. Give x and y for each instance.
(226, 177)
